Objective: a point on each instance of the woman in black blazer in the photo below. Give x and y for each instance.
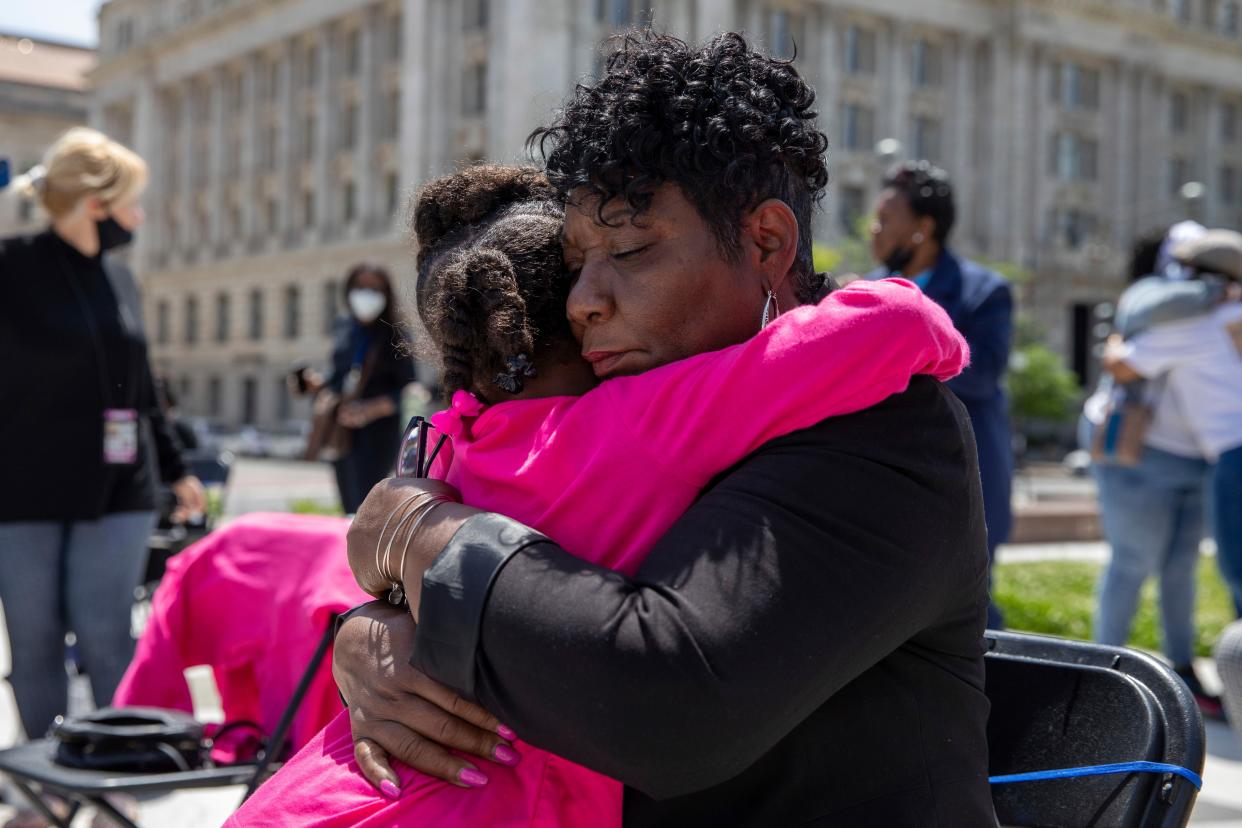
(83, 439)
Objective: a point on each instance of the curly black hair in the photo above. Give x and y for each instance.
(492, 283)
(726, 124)
(928, 191)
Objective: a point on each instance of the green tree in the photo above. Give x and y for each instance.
(1040, 386)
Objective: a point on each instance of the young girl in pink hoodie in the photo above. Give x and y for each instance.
(606, 469)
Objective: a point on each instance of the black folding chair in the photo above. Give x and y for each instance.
(33, 764)
(1059, 704)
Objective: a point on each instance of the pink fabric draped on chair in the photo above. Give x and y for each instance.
(252, 601)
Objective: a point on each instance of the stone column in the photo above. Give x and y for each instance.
(1123, 137)
(218, 150)
(1041, 195)
(251, 205)
(998, 197)
(1209, 170)
(961, 155)
(365, 180)
(189, 234)
(824, 58)
(325, 135)
(512, 110)
(1022, 192)
(416, 39)
(288, 149)
(153, 150)
(893, 110)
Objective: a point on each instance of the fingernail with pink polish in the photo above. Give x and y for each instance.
(390, 790)
(506, 755)
(506, 732)
(472, 777)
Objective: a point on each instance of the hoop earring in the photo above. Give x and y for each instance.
(769, 304)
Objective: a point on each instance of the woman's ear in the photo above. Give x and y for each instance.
(94, 208)
(770, 240)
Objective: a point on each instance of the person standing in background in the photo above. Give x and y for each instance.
(1150, 484)
(83, 437)
(913, 218)
(357, 408)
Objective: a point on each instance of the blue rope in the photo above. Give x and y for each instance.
(1101, 770)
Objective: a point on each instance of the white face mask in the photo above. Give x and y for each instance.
(367, 304)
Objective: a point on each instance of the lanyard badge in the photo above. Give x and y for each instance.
(120, 445)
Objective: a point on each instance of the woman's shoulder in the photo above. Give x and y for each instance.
(16, 247)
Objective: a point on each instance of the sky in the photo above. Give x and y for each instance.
(69, 21)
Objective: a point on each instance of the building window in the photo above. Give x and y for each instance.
(238, 95)
(271, 82)
(926, 138)
(161, 322)
(250, 400)
(474, 90)
(1180, 171)
(1179, 112)
(293, 312)
(308, 136)
(349, 128)
(1230, 22)
(857, 127)
(859, 51)
(223, 317)
(349, 209)
(852, 201)
(1072, 227)
(214, 397)
(310, 66)
(235, 220)
(780, 35)
(308, 209)
(186, 386)
(256, 315)
(331, 305)
(271, 151)
(1229, 123)
(394, 37)
(392, 192)
(191, 320)
(1182, 10)
(284, 400)
(392, 114)
(353, 52)
(617, 13)
(1074, 157)
(474, 15)
(1075, 86)
(1228, 185)
(928, 64)
(272, 215)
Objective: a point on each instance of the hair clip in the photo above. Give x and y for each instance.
(516, 367)
(37, 176)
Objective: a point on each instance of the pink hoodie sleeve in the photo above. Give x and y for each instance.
(860, 345)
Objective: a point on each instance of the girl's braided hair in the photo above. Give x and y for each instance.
(492, 283)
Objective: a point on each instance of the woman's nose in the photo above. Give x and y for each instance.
(590, 299)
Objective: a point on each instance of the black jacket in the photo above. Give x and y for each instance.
(803, 647)
(72, 345)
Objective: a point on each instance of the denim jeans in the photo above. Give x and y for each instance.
(56, 577)
(1153, 518)
(1227, 519)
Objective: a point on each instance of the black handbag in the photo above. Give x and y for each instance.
(130, 739)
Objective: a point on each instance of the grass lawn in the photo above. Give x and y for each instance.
(1058, 598)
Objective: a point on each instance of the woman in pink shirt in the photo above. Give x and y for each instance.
(534, 436)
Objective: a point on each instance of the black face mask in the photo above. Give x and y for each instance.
(112, 234)
(898, 258)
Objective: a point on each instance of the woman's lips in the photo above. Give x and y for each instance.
(604, 362)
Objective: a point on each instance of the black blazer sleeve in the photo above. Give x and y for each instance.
(799, 570)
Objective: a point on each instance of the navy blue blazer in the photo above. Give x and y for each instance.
(980, 303)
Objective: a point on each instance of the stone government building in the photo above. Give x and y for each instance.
(285, 134)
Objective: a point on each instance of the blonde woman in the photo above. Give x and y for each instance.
(82, 437)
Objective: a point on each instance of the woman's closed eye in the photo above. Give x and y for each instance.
(632, 252)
